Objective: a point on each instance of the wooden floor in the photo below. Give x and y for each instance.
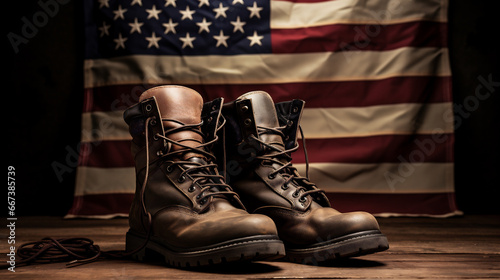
(466, 247)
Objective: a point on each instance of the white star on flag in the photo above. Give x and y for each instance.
(170, 26)
(254, 10)
(221, 39)
(119, 13)
(204, 25)
(120, 42)
(138, 2)
(255, 39)
(153, 13)
(104, 29)
(103, 3)
(153, 41)
(220, 11)
(238, 25)
(170, 2)
(203, 2)
(187, 41)
(136, 26)
(187, 13)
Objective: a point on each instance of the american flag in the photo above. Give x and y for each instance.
(374, 74)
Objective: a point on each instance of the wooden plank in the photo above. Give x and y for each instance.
(423, 248)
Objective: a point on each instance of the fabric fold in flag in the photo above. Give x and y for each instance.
(375, 77)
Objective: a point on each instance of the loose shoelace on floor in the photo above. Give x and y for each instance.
(50, 250)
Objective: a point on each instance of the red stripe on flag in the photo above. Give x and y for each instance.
(346, 93)
(382, 148)
(374, 149)
(106, 154)
(359, 37)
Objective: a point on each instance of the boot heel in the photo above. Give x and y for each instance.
(133, 243)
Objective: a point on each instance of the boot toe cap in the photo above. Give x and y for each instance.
(330, 223)
(185, 230)
(353, 222)
(325, 224)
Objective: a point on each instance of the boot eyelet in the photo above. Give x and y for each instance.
(181, 179)
(148, 107)
(295, 194)
(191, 188)
(284, 187)
(210, 119)
(169, 169)
(244, 108)
(295, 109)
(271, 176)
(247, 122)
(159, 153)
(302, 199)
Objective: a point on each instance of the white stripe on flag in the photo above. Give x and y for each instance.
(286, 14)
(97, 180)
(377, 120)
(316, 122)
(267, 68)
(404, 177)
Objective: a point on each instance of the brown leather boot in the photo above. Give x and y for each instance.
(258, 146)
(183, 209)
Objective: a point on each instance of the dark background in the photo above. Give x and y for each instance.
(44, 99)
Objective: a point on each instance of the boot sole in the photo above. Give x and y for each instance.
(352, 245)
(253, 248)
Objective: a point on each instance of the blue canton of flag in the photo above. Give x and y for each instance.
(175, 27)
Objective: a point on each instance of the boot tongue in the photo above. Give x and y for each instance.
(183, 105)
(265, 116)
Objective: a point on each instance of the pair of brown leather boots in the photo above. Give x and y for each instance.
(215, 184)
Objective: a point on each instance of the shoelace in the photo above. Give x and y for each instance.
(206, 176)
(288, 171)
(49, 250)
(75, 251)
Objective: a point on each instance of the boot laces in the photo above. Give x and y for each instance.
(282, 157)
(203, 172)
